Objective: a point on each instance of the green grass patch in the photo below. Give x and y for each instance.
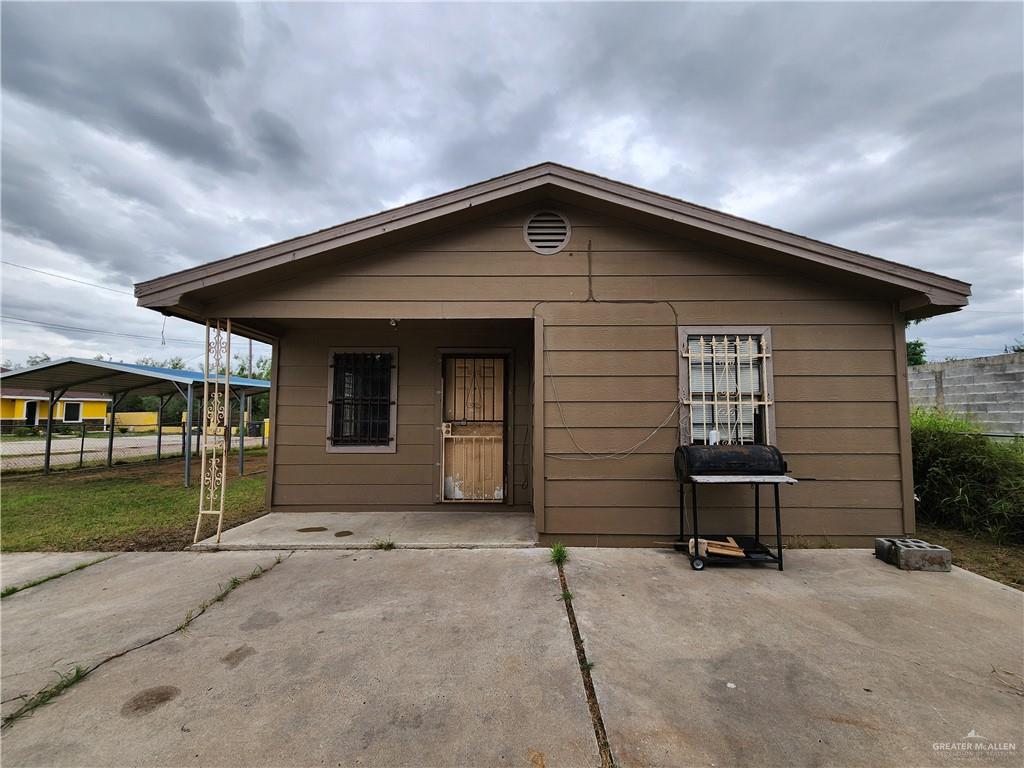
(559, 553)
(386, 544)
(121, 509)
(967, 481)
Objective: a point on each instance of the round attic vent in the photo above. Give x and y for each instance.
(547, 232)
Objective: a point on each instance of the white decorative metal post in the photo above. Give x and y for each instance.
(216, 422)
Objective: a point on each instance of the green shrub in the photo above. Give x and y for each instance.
(965, 480)
(23, 431)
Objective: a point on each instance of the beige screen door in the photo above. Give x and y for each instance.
(473, 428)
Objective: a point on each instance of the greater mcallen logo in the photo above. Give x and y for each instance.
(975, 743)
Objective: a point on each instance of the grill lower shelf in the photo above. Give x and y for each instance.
(753, 550)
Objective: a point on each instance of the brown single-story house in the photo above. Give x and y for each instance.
(542, 341)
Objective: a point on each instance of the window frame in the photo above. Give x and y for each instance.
(682, 342)
(392, 446)
(64, 412)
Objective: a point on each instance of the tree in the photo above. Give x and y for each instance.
(260, 368)
(1017, 345)
(37, 359)
(916, 352)
(11, 366)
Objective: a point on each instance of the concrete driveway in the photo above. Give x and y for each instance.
(466, 658)
(839, 660)
(401, 658)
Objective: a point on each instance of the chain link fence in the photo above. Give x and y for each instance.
(81, 446)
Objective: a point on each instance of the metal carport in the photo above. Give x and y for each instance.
(117, 380)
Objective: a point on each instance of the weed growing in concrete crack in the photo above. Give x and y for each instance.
(70, 678)
(385, 544)
(15, 588)
(66, 680)
(587, 665)
(566, 596)
(559, 553)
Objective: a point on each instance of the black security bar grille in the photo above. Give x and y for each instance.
(362, 398)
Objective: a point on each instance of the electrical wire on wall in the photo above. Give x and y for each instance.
(592, 455)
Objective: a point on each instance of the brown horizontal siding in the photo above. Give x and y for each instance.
(609, 439)
(611, 337)
(590, 415)
(664, 522)
(313, 454)
(665, 493)
(674, 262)
(381, 495)
(426, 308)
(659, 466)
(835, 388)
(414, 262)
(356, 474)
(836, 414)
(871, 466)
(857, 362)
(509, 288)
(317, 434)
(724, 288)
(838, 440)
(597, 363)
(584, 389)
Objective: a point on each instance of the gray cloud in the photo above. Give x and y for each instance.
(143, 138)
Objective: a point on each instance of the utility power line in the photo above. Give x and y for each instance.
(65, 277)
(60, 327)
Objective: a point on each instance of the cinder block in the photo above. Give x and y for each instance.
(913, 554)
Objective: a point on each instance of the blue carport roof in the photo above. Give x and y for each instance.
(109, 378)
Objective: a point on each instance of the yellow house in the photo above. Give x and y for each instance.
(30, 408)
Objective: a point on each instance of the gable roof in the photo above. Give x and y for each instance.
(926, 293)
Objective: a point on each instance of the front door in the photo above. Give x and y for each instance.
(473, 428)
(31, 411)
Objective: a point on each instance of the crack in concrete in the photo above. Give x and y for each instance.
(78, 673)
(16, 588)
(607, 761)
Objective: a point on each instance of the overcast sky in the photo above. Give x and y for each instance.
(139, 139)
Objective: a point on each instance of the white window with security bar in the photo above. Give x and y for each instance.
(725, 386)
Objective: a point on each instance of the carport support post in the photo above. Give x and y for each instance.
(114, 400)
(49, 436)
(188, 436)
(241, 434)
(159, 424)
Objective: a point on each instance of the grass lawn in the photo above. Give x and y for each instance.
(1000, 562)
(137, 507)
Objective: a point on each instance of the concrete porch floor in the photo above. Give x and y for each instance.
(449, 529)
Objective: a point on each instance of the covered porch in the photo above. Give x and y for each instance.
(402, 416)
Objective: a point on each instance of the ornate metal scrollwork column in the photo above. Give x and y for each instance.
(216, 423)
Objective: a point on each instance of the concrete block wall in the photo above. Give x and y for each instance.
(989, 390)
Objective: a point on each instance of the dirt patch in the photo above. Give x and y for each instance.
(311, 529)
(339, 534)
(148, 700)
(237, 656)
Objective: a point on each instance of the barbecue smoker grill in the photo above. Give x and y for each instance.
(754, 465)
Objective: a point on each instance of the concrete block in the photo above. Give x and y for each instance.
(913, 554)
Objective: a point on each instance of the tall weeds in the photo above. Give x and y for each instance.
(965, 480)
